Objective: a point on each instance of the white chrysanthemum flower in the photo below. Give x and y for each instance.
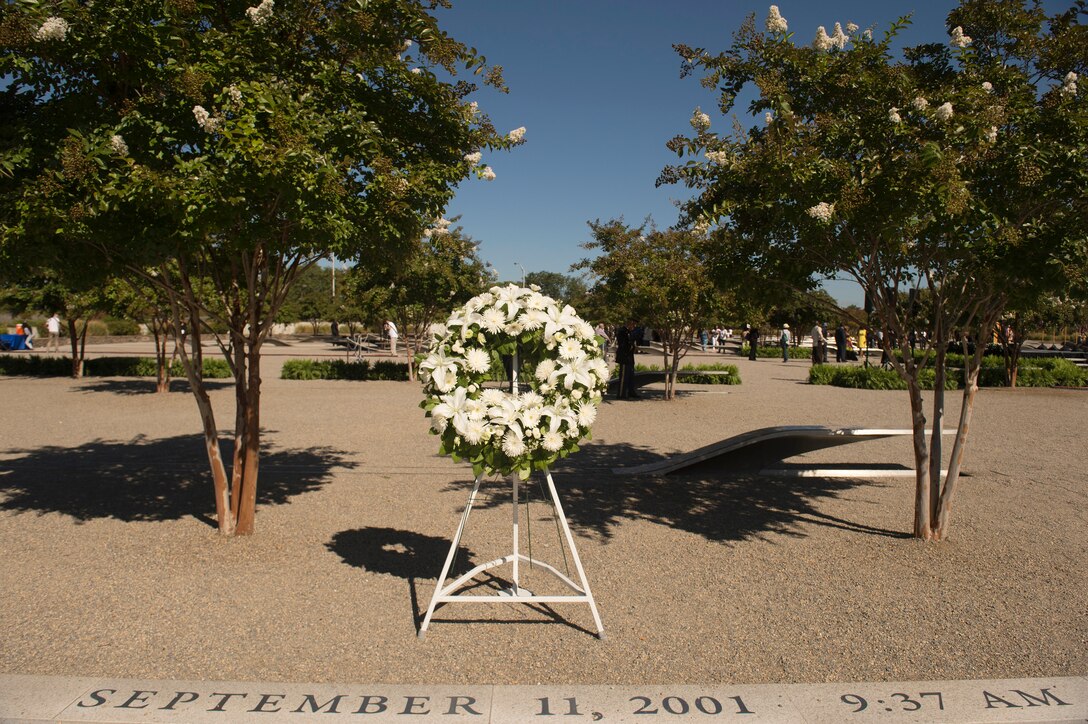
(117, 143)
(893, 115)
(493, 320)
(991, 135)
(478, 360)
(838, 38)
(517, 134)
(475, 432)
(958, 39)
(552, 442)
(571, 348)
(530, 417)
(515, 328)
(544, 370)
(821, 211)
(487, 174)
(474, 158)
(721, 158)
(513, 444)
(531, 399)
(438, 423)
(536, 300)
(851, 28)
(919, 104)
(987, 86)
(492, 396)
(53, 28)
(775, 22)
(587, 414)
(699, 120)
(260, 14)
(944, 112)
(533, 319)
(600, 368)
(822, 41)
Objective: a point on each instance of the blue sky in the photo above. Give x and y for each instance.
(597, 84)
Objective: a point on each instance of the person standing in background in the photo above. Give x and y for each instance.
(784, 341)
(52, 325)
(391, 330)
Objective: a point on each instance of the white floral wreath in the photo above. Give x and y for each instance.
(503, 432)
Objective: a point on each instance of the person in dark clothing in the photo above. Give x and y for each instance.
(335, 329)
(753, 340)
(625, 360)
(840, 343)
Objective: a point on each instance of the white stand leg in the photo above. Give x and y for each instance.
(447, 593)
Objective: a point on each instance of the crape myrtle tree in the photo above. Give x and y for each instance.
(658, 276)
(960, 170)
(227, 146)
(443, 271)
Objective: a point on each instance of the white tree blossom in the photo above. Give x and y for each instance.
(893, 115)
(821, 211)
(53, 28)
(117, 143)
(205, 120)
(487, 174)
(699, 120)
(987, 86)
(919, 104)
(944, 112)
(517, 134)
(473, 158)
(1069, 85)
(838, 38)
(957, 39)
(822, 40)
(775, 22)
(261, 13)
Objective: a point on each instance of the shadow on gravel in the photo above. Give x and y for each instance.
(721, 506)
(146, 386)
(414, 557)
(400, 553)
(148, 480)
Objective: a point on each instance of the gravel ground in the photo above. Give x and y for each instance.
(111, 567)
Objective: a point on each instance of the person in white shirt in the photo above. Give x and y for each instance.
(52, 325)
(391, 330)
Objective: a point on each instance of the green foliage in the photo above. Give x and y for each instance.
(118, 326)
(776, 352)
(333, 369)
(1050, 372)
(38, 366)
(732, 376)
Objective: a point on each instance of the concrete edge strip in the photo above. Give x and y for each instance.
(28, 698)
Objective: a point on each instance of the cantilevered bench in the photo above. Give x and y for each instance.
(767, 446)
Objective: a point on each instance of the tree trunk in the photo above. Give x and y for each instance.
(247, 507)
(78, 340)
(936, 436)
(193, 366)
(922, 488)
(944, 508)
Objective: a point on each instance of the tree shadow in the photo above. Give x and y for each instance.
(723, 505)
(148, 480)
(401, 553)
(145, 386)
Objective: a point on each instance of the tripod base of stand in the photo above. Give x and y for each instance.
(514, 593)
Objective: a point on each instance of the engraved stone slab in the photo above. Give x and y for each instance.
(102, 699)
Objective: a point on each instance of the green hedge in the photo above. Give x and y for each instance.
(37, 366)
(776, 352)
(732, 378)
(337, 369)
(1047, 372)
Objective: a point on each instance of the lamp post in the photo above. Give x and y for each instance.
(519, 266)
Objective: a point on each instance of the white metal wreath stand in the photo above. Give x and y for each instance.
(446, 594)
